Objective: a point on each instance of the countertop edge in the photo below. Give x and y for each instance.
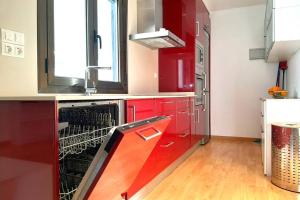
(45, 97)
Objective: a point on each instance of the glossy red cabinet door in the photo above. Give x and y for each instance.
(28, 167)
(140, 109)
(160, 158)
(183, 125)
(127, 154)
(177, 65)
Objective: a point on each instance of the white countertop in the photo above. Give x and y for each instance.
(274, 99)
(70, 97)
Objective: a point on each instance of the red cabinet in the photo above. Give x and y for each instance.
(176, 140)
(28, 151)
(183, 125)
(177, 65)
(32, 155)
(140, 109)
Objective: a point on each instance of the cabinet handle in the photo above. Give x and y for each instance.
(204, 102)
(205, 81)
(198, 115)
(167, 145)
(133, 113)
(147, 138)
(167, 102)
(184, 135)
(198, 28)
(182, 112)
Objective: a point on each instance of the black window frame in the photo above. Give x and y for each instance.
(47, 82)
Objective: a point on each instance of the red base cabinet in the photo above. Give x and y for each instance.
(141, 109)
(32, 156)
(176, 140)
(28, 153)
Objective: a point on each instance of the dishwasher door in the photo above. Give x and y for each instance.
(120, 158)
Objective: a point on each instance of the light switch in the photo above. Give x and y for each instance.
(7, 49)
(8, 36)
(19, 38)
(19, 51)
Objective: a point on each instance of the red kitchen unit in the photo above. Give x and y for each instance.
(174, 143)
(140, 109)
(183, 125)
(177, 65)
(28, 151)
(38, 158)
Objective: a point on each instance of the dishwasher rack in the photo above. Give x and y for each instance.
(83, 127)
(76, 138)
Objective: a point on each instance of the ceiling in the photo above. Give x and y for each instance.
(213, 5)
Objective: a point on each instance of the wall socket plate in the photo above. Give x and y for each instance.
(12, 43)
(19, 51)
(8, 49)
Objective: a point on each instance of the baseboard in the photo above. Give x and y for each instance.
(164, 174)
(245, 139)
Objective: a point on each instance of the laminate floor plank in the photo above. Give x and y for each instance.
(223, 169)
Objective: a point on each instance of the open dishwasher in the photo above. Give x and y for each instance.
(98, 157)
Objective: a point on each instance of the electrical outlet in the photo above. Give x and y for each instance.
(19, 51)
(7, 49)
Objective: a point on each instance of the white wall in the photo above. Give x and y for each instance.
(142, 61)
(18, 77)
(293, 76)
(238, 83)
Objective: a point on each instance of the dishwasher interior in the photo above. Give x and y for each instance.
(83, 127)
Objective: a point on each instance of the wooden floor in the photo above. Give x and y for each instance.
(221, 170)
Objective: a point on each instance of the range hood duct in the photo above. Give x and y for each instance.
(150, 27)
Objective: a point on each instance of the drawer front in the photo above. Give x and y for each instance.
(183, 120)
(183, 103)
(140, 109)
(164, 105)
(172, 128)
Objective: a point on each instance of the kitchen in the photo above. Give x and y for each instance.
(199, 113)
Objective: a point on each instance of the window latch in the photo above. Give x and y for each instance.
(98, 39)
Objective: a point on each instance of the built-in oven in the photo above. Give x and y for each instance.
(199, 58)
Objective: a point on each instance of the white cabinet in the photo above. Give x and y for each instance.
(282, 29)
(275, 111)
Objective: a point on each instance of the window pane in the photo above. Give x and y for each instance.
(70, 38)
(107, 29)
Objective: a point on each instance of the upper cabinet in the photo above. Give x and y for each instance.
(188, 19)
(177, 65)
(282, 29)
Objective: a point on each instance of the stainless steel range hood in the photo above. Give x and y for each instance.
(149, 26)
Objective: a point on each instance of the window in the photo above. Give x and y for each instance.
(74, 34)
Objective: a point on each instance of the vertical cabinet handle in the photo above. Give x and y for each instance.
(197, 115)
(205, 81)
(204, 102)
(198, 28)
(133, 113)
